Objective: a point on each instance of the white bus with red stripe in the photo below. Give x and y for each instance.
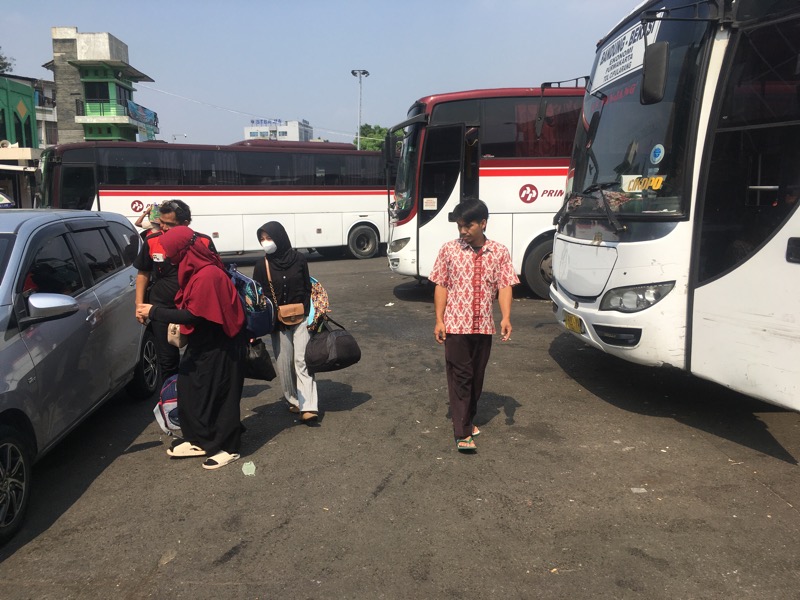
(510, 147)
(327, 196)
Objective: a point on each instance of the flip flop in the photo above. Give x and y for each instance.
(309, 417)
(475, 431)
(220, 459)
(292, 408)
(181, 449)
(470, 444)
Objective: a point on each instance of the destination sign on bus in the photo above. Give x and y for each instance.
(624, 54)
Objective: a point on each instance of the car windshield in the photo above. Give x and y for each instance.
(629, 157)
(6, 244)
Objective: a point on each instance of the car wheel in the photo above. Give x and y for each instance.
(362, 242)
(15, 481)
(538, 269)
(147, 374)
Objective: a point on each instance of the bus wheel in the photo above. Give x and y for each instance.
(538, 269)
(362, 242)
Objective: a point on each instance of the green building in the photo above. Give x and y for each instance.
(94, 89)
(19, 142)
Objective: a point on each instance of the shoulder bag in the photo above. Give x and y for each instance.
(288, 314)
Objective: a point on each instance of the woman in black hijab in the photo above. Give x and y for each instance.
(288, 271)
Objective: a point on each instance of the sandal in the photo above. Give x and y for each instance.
(292, 408)
(309, 417)
(182, 449)
(220, 459)
(466, 444)
(475, 431)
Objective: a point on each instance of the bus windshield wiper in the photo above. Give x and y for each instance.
(601, 187)
(590, 193)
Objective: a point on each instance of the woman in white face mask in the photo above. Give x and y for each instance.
(289, 278)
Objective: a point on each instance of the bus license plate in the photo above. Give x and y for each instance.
(573, 322)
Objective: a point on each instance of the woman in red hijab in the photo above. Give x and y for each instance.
(210, 377)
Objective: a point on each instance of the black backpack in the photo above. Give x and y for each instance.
(331, 349)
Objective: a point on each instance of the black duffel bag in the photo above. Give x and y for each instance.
(331, 349)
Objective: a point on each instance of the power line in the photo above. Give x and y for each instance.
(241, 112)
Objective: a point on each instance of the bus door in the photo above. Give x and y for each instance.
(745, 313)
(450, 163)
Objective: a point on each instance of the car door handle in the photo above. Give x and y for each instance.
(133, 281)
(793, 250)
(90, 316)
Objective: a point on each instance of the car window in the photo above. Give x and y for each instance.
(53, 270)
(6, 243)
(112, 248)
(127, 241)
(95, 251)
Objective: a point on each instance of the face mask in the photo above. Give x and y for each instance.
(269, 246)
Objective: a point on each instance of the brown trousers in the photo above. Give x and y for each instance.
(466, 357)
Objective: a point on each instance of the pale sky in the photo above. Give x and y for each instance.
(217, 65)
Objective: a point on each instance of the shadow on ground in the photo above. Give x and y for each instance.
(669, 393)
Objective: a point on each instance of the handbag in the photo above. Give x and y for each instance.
(288, 314)
(175, 337)
(331, 349)
(257, 362)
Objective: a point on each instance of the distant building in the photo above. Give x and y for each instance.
(94, 89)
(19, 143)
(44, 99)
(276, 129)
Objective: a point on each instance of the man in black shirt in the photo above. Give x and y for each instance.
(157, 280)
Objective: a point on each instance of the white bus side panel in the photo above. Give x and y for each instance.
(232, 217)
(746, 325)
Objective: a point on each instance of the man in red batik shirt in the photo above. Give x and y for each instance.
(468, 273)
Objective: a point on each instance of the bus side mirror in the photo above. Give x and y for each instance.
(654, 73)
(388, 149)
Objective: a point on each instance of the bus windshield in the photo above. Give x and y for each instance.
(406, 172)
(629, 158)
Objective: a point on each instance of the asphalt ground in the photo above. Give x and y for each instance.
(594, 478)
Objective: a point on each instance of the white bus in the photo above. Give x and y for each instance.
(509, 147)
(679, 240)
(328, 196)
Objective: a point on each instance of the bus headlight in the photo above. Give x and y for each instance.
(398, 245)
(635, 298)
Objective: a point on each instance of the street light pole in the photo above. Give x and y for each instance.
(359, 73)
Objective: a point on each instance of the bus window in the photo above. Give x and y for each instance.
(207, 167)
(753, 173)
(78, 188)
(138, 166)
(262, 168)
(441, 167)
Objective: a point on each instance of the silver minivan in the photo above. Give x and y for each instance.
(69, 337)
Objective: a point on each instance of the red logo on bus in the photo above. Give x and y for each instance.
(137, 206)
(528, 193)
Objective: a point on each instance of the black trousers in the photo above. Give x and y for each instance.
(169, 357)
(466, 357)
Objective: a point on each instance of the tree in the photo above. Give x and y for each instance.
(6, 63)
(373, 136)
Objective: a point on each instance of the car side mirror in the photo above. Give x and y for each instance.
(48, 307)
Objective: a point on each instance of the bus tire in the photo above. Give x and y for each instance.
(537, 270)
(362, 242)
